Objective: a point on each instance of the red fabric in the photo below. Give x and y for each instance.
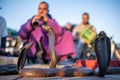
(115, 63)
(92, 64)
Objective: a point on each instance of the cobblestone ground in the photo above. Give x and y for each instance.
(17, 77)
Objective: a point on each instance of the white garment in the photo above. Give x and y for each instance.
(3, 29)
(77, 29)
(79, 46)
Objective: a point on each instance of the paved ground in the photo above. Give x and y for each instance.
(17, 77)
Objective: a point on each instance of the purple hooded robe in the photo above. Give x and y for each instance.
(63, 39)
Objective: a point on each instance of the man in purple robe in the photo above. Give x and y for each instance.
(37, 35)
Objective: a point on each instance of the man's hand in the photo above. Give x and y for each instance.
(42, 17)
(35, 18)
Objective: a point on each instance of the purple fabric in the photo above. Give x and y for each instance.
(63, 39)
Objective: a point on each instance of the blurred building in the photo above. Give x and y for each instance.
(13, 43)
(12, 32)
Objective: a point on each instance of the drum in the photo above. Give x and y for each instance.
(88, 34)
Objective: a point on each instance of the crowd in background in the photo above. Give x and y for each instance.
(83, 35)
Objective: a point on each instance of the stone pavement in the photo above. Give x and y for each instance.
(8, 60)
(17, 77)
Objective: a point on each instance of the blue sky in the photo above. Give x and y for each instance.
(104, 14)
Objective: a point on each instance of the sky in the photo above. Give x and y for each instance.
(104, 14)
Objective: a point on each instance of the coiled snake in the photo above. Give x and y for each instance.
(52, 71)
(102, 50)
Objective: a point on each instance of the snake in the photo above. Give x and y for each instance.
(52, 70)
(71, 71)
(103, 52)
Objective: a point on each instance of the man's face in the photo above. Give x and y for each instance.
(43, 9)
(85, 19)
